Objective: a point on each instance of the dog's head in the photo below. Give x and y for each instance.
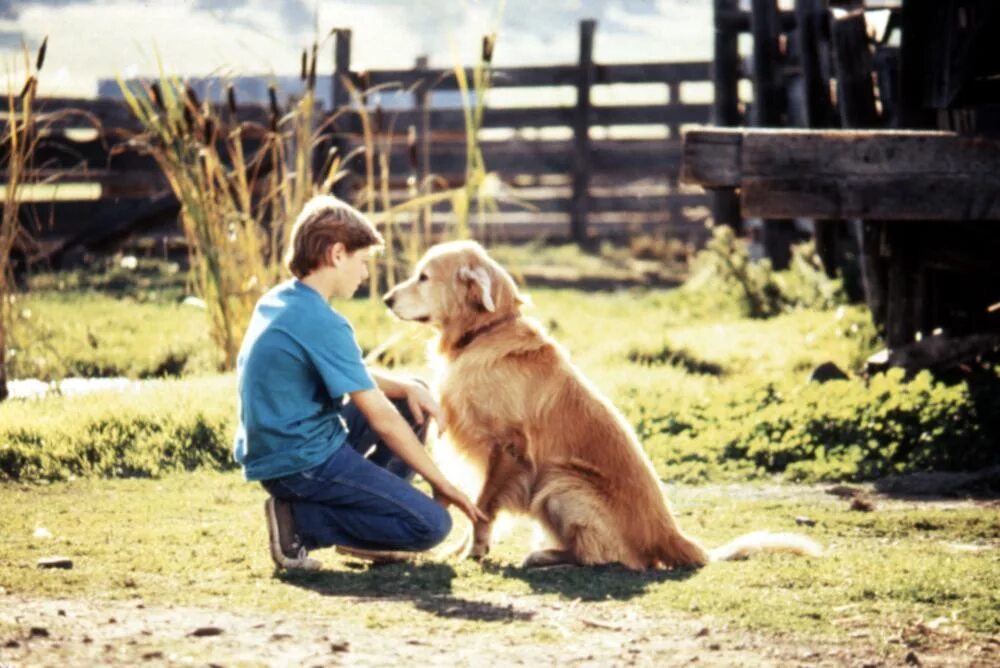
(455, 286)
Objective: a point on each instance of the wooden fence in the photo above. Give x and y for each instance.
(899, 170)
(581, 170)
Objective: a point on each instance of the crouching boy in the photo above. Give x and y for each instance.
(337, 472)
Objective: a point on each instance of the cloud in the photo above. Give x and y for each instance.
(101, 38)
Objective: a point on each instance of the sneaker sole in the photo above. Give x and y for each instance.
(380, 556)
(277, 556)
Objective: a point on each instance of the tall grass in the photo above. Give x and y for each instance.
(236, 208)
(237, 204)
(473, 109)
(17, 140)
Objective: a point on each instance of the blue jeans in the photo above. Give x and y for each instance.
(363, 501)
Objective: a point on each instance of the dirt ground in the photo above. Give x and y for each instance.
(53, 632)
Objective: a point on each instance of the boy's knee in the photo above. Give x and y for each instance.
(438, 526)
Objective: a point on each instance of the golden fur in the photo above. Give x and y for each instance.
(546, 442)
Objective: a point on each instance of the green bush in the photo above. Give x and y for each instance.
(165, 426)
(840, 430)
(724, 271)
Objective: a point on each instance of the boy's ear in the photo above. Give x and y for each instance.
(336, 253)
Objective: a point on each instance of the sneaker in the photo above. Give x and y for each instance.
(287, 550)
(379, 556)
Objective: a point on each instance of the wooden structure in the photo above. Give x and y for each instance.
(586, 169)
(576, 166)
(911, 181)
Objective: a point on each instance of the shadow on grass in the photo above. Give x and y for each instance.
(665, 355)
(426, 585)
(589, 583)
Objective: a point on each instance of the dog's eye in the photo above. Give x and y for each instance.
(423, 277)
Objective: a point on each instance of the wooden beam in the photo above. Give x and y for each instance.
(581, 134)
(831, 174)
(725, 103)
(546, 75)
(855, 87)
(770, 103)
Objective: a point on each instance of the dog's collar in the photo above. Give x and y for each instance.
(473, 334)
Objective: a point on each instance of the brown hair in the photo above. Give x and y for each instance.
(324, 221)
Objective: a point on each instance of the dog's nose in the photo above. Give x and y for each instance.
(389, 299)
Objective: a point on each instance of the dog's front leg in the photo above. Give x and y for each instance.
(506, 482)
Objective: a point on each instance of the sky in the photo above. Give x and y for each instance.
(94, 39)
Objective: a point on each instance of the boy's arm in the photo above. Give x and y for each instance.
(389, 424)
(418, 397)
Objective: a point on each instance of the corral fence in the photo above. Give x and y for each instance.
(573, 161)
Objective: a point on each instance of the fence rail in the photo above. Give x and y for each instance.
(585, 169)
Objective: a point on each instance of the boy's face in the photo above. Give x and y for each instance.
(351, 269)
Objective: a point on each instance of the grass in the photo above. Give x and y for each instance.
(198, 539)
(694, 377)
(150, 334)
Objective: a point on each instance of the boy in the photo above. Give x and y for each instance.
(297, 436)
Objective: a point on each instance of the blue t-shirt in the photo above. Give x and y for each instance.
(298, 359)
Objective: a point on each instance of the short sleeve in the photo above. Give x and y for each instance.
(338, 360)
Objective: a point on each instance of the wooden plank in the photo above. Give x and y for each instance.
(341, 100)
(856, 106)
(741, 21)
(768, 84)
(581, 134)
(812, 17)
(671, 114)
(856, 91)
(711, 157)
(829, 174)
(545, 76)
(886, 197)
(561, 202)
(113, 183)
(56, 114)
(521, 157)
(770, 110)
(726, 104)
(453, 120)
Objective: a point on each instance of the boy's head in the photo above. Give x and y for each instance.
(325, 221)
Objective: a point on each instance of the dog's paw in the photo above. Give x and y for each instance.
(548, 558)
(479, 551)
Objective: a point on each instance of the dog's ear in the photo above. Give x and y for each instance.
(480, 280)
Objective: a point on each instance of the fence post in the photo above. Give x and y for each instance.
(725, 103)
(769, 105)
(581, 134)
(856, 102)
(341, 66)
(341, 99)
(421, 101)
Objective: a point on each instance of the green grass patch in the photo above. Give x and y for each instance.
(56, 334)
(161, 427)
(199, 539)
(712, 395)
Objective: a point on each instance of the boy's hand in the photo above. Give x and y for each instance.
(448, 495)
(422, 403)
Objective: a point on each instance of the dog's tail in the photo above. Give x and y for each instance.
(765, 541)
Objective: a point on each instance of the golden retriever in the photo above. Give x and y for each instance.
(544, 439)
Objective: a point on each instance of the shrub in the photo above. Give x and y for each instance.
(167, 426)
(725, 269)
(840, 430)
